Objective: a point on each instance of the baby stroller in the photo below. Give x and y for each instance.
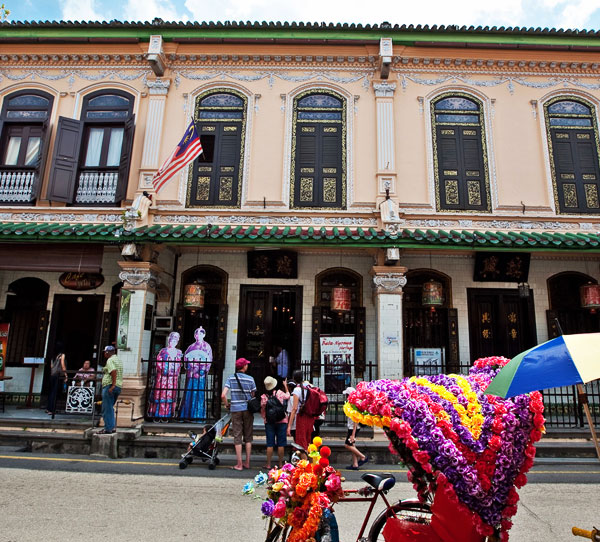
(206, 444)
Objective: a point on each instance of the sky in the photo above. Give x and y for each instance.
(580, 14)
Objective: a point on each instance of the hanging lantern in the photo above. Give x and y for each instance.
(432, 294)
(340, 299)
(193, 297)
(590, 297)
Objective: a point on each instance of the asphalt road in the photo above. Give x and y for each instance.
(74, 498)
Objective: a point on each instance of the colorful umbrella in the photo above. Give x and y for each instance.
(566, 360)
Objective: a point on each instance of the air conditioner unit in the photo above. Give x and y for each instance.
(163, 323)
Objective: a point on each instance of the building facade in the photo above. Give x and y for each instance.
(443, 181)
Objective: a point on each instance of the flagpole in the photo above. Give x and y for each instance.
(583, 401)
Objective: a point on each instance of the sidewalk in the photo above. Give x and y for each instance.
(35, 431)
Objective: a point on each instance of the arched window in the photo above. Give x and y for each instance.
(24, 140)
(459, 153)
(91, 159)
(319, 150)
(565, 304)
(215, 177)
(573, 145)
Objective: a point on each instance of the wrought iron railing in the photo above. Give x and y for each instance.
(16, 186)
(97, 187)
(182, 391)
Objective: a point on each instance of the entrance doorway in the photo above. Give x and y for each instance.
(269, 316)
(501, 323)
(76, 324)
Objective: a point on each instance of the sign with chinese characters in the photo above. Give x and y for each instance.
(337, 358)
(3, 343)
(501, 266)
(272, 264)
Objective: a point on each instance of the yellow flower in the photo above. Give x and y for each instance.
(312, 448)
(317, 441)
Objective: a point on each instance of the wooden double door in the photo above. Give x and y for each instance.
(269, 316)
(501, 323)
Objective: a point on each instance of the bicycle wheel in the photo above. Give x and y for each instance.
(414, 511)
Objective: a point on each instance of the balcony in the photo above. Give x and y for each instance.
(97, 187)
(16, 186)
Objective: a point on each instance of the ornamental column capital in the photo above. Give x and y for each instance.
(384, 89)
(388, 280)
(158, 87)
(139, 275)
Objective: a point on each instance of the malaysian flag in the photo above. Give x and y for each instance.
(187, 150)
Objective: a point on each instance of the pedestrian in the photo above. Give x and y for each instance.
(58, 372)
(275, 431)
(112, 381)
(358, 458)
(303, 422)
(242, 387)
(291, 387)
(86, 374)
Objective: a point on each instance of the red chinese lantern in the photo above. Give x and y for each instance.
(193, 297)
(340, 299)
(590, 297)
(432, 294)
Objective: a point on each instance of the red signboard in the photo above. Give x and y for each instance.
(3, 342)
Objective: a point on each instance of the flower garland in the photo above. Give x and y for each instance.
(298, 494)
(474, 447)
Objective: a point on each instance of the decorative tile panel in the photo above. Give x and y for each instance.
(451, 192)
(306, 188)
(203, 191)
(474, 193)
(570, 192)
(329, 189)
(591, 196)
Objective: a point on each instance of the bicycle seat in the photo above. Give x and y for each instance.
(382, 482)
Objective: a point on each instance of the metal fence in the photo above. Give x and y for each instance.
(182, 391)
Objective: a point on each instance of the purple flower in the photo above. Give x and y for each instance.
(267, 508)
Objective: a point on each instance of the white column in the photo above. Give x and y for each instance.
(158, 90)
(386, 161)
(388, 283)
(142, 279)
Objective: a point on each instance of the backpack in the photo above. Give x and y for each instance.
(315, 402)
(274, 410)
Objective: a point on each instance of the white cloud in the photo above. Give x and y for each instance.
(575, 14)
(146, 10)
(80, 10)
(461, 12)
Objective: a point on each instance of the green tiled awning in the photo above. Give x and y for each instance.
(296, 235)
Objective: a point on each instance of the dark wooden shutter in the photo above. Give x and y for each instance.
(474, 195)
(360, 346)
(125, 161)
(564, 167)
(551, 317)
(452, 356)
(226, 175)
(63, 171)
(41, 165)
(41, 332)
(315, 353)
(330, 174)
(448, 167)
(306, 181)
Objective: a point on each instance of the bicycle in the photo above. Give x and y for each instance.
(409, 510)
(593, 535)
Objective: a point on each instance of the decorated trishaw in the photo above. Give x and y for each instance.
(466, 453)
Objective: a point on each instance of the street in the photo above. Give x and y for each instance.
(73, 498)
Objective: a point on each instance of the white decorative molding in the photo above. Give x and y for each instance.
(384, 89)
(158, 87)
(122, 74)
(386, 283)
(385, 136)
(265, 220)
(136, 277)
(272, 76)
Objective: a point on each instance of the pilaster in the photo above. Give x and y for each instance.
(388, 282)
(386, 160)
(141, 279)
(157, 90)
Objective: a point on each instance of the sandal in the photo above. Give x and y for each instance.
(352, 467)
(105, 432)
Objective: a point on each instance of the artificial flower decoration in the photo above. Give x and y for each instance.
(473, 448)
(298, 494)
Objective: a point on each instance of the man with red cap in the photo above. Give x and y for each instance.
(241, 387)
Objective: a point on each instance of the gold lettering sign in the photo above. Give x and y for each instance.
(447, 132)
(230, 128)
(562, 135)
(567, 176)
(583, 136)
(469, 132)
(227, 169)
(589, 177)
(205, 169)
(307, 170)
(329, 170)
(330, 129)
(452, 172)
(472, 173)
(208, 128)
(308, 128)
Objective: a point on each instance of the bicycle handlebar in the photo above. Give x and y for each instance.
(594, 534)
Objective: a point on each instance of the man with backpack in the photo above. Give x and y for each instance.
(309, 402)
(273, 410)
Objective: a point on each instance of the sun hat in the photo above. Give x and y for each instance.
(241, 363)
(270, 383)
(348, 390)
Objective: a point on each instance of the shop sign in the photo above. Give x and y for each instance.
(501, 266)
(3, 343)
(81, 281)
(337, 357)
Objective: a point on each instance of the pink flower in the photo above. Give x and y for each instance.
(279, 510)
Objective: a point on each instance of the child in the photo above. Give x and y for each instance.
(196, 437)
(358, 458)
